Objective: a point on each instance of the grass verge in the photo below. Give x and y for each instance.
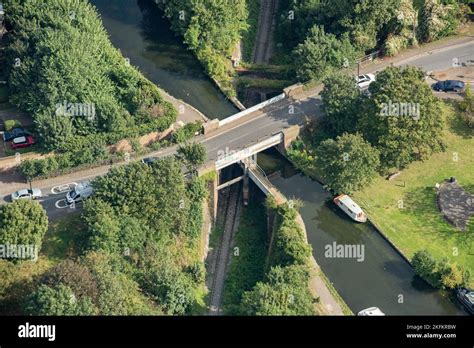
(246, 269)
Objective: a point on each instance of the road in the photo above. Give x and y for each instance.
(252, 128)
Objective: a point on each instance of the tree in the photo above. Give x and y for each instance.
(118, 293)
(438, 19)
(425, 266)
(402, 118)
(75, 276)
(193, 154)
(341, 99)
(321, 53)
(467, 106)
(23, 222)
(348, 163)
(172, 289)
(58, 300)
(284, 292)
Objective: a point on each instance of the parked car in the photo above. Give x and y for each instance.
(371, 311)
(449, 86)
(466, 297)
(14, 133)
(80, 192)
(363, 81)
(27, 194)
(149, 160)
(21, 142)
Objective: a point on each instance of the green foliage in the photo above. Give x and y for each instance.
(402, 118)
(322, 53)
(23, 222)
(284, 292)
(143, 222)
(171, 288)
(348, 163)
(75, 276)
(290, 246)
(118, 293)
(210, 28)
(439, 19)
(341, 99)
(467, 107)
(442, 274)
(58, 300)
(251, 239)
(193, 154)
(187, 132)
(64, 56)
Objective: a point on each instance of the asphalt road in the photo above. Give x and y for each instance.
(258, 126)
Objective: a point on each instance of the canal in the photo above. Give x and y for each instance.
(139, 31)
(383, 279)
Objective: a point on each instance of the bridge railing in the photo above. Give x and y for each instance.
(245, 112)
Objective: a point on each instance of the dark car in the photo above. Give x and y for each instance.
(449, 86)
(14, 133)
(149, 160)
(466, 297)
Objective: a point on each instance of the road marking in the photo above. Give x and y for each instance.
(63, 188)
(59, 205)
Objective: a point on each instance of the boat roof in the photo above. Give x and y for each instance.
(348, 202)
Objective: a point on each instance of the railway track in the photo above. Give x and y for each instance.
(230, 211)
(262, 49)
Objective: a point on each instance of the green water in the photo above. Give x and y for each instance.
(139, 31)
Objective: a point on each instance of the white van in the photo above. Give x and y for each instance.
(80, 192)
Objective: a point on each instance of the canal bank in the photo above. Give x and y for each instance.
(382, 278)
(137, 28)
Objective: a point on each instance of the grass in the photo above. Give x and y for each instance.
(419, 225)
(246, 269)
(65, 238)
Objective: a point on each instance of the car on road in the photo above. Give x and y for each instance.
(27, 194)
(14, 133)
(466, 297)
(449, 86)
(363, 81)
(80, 192)
(371, 311)
(21, 142)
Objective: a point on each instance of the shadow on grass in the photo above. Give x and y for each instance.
(421, 204)
(66, 238)
(458, 126)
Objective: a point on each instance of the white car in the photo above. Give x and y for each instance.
(372, 311)
(26, 194)
(363, 81)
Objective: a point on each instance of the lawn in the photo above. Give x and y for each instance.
(405, 209)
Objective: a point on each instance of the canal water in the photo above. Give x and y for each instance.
(383, 278)
(138, 29)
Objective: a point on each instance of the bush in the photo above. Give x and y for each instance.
(441, 274)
